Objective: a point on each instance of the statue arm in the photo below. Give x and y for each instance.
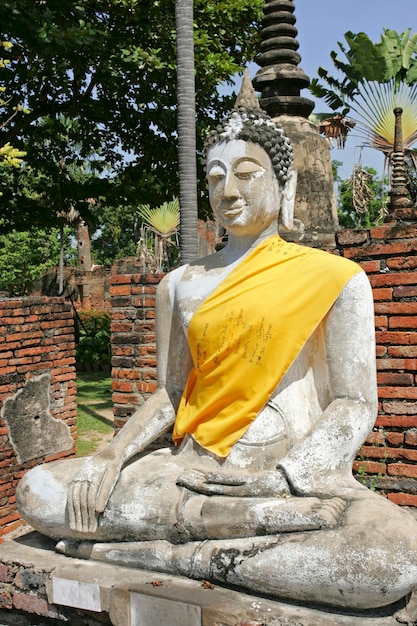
(90, 491)
(322, 461)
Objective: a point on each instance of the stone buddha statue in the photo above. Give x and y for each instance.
(266, 378)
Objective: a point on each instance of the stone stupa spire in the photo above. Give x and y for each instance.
(399, 206)
(280, 78)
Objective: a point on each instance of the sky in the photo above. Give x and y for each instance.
(321, 24)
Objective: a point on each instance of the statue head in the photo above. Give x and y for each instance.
(249, 123)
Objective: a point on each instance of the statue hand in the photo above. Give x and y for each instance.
(261, 484)
(90, 491)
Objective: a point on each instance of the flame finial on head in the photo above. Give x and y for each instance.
(246, 98)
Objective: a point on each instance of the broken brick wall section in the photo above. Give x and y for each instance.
(388, 254)
(36, 345)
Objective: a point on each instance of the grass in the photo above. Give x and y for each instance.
(94, 400)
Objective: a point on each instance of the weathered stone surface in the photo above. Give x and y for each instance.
(219, 606)
(33, 431)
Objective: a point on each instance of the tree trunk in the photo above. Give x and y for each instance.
(186, 130)
(61, 260)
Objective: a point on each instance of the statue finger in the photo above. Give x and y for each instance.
(91, 508)
(225, 479)
(104, 491)
(70, 507)
(75, 506)
(191, 478)
(83, 506)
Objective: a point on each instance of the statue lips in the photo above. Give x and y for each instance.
(233, 210)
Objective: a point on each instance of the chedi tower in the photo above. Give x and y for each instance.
(280, 81)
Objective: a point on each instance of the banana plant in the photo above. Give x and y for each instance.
(372, 79)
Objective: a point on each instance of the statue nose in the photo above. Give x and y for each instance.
(230, 187)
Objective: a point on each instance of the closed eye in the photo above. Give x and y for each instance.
(216, 173)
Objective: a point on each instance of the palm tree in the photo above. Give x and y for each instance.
(375, 79)
(186, 130)
(159, 227)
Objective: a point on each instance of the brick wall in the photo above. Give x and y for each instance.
(133, 341)
(36, 337)
(388, 460)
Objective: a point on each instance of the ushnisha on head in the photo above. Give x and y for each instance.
(247, 121)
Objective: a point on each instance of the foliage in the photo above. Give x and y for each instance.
(8, 154)
(118, 235)
(56, 184)
(25, 256)
(158, 244)
(93, 345)
(361, 199)
(165, 219)
(373, 79)
(93, 396)
(101, 76)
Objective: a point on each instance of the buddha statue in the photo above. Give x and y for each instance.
(266, 378)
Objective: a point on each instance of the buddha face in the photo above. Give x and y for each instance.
(243, 189)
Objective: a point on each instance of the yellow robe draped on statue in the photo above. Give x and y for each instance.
(247, 333)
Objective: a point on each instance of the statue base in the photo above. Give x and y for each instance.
(35, 580)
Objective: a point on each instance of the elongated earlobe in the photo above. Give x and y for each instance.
(286, 216)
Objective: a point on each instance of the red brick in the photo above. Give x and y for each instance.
(122, 350)
(396, 308)
(120, 279)
(381, 250)
(129, 374)
(394, 439)
(402, 469)
(6, 600)
(383, 293)
(6, 573)
(396, 230)
(381, 322)
(121, 290)
(403, 322)
(146, 387)
(396, 364)
(405, 393)
(395, 278)
(405, 292)
(401, 380)
(123, 386)
(410, 438)
(376, 437)
(143, 302)
(370, 266)
(403, 499)
(396, 419)
(351, 237)
(31, 603)
(380, 351)
(121, 327)
(402, 351)
(402, 263)
(396, 338)
(370, 467)
(129, 398)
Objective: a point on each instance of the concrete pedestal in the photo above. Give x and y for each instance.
(36, 581)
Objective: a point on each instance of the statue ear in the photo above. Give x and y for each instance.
(286, 216)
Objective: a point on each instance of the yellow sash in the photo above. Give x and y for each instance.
(247, 333)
